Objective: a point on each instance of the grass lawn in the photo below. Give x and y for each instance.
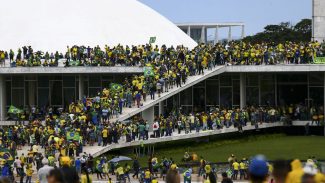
(272, 146)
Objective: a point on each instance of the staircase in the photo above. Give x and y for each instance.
(191, 80)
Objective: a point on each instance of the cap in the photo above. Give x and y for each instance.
(258, 166)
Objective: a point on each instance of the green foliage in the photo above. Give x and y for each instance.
(301, 32)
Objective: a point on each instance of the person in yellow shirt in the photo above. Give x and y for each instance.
(242, 170)
(147, 176)
(85, 178)
(29, 173)
(105, 136)
(235, 167)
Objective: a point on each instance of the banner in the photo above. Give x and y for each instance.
(319, 60)
(148, 72)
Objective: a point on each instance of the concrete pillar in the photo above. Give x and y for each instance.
(149, 115)
(81, 87)
(242, 90)
(216, 35)
(203, 35)
(229, 34)
(242, 31)
(2, 98)
(189, 31)
(161, 108)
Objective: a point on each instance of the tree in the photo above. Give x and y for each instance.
(282, 32)
(304, 26)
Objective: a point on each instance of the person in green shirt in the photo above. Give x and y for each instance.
(141, 129)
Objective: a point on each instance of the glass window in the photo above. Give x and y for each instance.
(200, 85)
(43, 81)
(18, 99)
(56, 93)
(8, 93)
(69, 96)
(30, 77)
(56, 77)
(69, 81)
(18, 81)
(267, 76)
(43, 97)
(77, 90)
(86, 93)
(105, 84)
(186, 96)
(236, 92)
(292, 94)
(267, 93)
(225, 80)
(199, 99)
(252, 79)
(316, 79)
(30, 93)
(187, 109)
(94, 91)
(212, 92)
(94, 81)
(292, 77)
(316, 94)
(225, 97)
(252, 96)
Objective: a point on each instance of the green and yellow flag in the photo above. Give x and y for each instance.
(14, 110)
(6, 155)
(116, 87)
(148, 71)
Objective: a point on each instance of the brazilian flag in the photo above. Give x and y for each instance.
(6, 155)
(148, 71)
(116, 87)
(14, 110)
(71, 135)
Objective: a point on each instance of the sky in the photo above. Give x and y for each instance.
(256, 14)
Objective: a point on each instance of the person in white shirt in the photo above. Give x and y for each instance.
(155, 128)
(44, 171)
(17, 165)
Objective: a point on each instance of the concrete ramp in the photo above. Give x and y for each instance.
(191, 80)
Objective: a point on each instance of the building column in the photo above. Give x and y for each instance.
(189, 31)
(242, 90)
(242, 31)
(216, 35)
(229, 34)
(161, 108)
(2, 98)
(149, 115)
(203, 35)
(81, 87)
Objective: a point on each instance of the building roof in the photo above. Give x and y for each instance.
(209, 25)
(54, 24)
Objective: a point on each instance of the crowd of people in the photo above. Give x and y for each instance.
(82, 169)
(235, 52)
(89, 121)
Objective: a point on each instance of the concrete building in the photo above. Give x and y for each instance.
(319, 20)
(198, 31)
(224, 86)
